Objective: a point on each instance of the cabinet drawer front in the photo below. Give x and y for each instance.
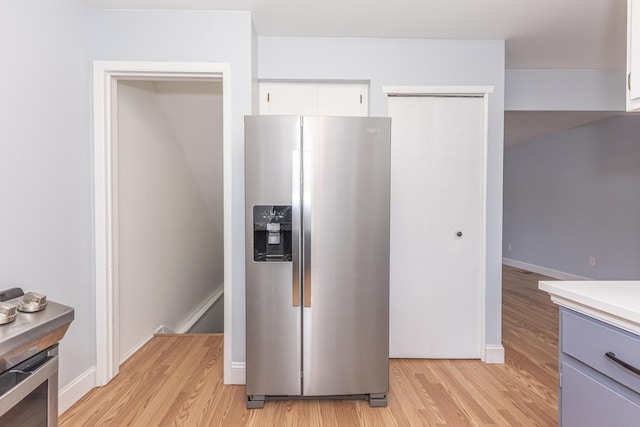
(588, 340)
(587, 402)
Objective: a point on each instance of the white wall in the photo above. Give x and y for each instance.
(255, 84)
(576, 194)
(45, 164)
(169, 204)
(193, 110)
(410, 62)
(552, 169)
(569, 90)
(191, 36)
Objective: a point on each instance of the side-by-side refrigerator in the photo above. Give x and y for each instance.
(317, 258)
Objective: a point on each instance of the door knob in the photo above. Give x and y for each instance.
(457, 234)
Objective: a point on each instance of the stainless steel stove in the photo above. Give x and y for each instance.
(30, 329)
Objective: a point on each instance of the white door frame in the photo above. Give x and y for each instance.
(105, 77)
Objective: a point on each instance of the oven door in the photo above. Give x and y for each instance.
(29, 392)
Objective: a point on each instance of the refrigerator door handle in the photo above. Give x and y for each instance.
(307, 183)
(296, 196)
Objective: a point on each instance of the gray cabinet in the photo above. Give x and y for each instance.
(596, 389)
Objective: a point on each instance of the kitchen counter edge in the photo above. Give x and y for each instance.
(614, 302)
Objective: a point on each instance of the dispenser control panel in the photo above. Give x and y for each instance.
(272, 233)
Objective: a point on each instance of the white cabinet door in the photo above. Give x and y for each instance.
(437, 226)
(287, 99)
(343, 100)
(314, 99)
(633, 55)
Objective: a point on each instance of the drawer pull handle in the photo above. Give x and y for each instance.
(611, 355)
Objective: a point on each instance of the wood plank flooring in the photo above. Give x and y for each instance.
(177, 381)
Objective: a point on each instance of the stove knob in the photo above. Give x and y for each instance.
(32, 302)
(7, 313)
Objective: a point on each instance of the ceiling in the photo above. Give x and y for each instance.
(538, 34)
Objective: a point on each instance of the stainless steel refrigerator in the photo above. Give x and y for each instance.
(317, 258)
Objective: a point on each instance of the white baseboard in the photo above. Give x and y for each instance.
(76, 389)
(494, 353)
(164, 330)
(138, 346)
(556, 274)
(238, 373)
(184, 328)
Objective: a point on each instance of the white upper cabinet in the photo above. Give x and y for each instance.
(633, 55)
(314, 99)
(343, 100)
(287, 99)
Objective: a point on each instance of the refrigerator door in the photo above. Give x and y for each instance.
(346, 255)
(272, 209)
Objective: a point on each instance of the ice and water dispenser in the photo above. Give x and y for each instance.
(271, 233)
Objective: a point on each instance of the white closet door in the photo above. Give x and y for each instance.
(314, 99)
(436, 226)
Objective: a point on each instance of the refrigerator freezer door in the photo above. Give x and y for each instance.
(273, 329)
(346, 328)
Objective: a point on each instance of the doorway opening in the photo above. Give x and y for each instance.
(162, 203)
(167, 174)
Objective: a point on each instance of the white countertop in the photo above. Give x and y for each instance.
(614, 302)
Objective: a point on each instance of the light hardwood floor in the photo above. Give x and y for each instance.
(177, 380)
